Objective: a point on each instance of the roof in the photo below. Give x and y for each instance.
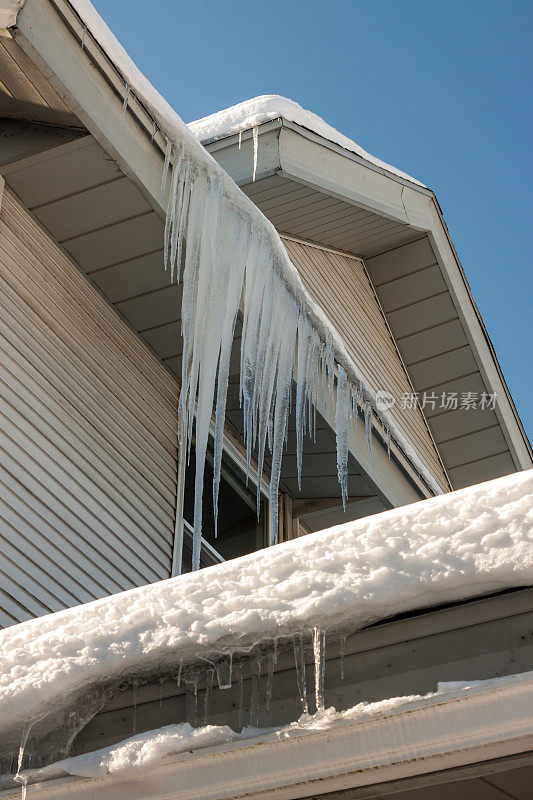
(266, 107)
(445, 549)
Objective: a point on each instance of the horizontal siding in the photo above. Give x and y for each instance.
(87, 440)
(341, 287)
(437, 354)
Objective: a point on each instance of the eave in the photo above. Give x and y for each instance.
(420, 744)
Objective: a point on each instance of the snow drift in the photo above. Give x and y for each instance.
(467, 543)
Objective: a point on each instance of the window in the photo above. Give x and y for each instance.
(240, 531)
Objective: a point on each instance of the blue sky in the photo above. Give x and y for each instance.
(441, 90)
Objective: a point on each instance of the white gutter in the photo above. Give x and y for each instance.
(446, 732)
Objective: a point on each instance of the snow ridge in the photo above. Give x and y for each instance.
(266, 107)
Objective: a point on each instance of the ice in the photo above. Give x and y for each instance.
(255, 134)
(125, 103)
(255, 673)
(299, 661)
(240, 706)
(208, 692)
(319, 652)
(342, 422)
(271, 664)
(191, 698)
(342, 654)
(447, 549)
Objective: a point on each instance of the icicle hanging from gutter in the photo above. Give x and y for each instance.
(223, 249)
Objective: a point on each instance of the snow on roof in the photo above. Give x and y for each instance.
(459, 545)
(266, 107)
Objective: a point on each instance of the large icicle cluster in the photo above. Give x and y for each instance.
(228, 260)
(227, 253)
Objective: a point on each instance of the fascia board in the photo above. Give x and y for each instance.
(476, 332)
(418, 739)
(306, 160)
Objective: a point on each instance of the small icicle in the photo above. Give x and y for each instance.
(368, 430)
(166, 165)
(223, 668)
(319, 651)
(161, 682)
(191, 700)
(83, 37)
(240, 139)
(299, 661)
(342, 650)
(388, 440)
(178, 676)
(254, 693)
(208, 692)
(22, 748)
(240, 708)
(272, 659)
(135, 687)
(342, 424)
(125, 103)
(256, 149)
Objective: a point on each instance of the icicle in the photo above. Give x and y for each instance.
(83, 37)
(319, 651)
(342, 651)
(254, 693)
(161, 682)
(368, 430)
(134, 726)
(272, 660)
(255, 133)
(388, 440)
(299, 661)
(240, 139)
(240, 707)
(224, 667)
(168, 153)
(22, 748)
(208, 692)
(178, 676)
(125, 103)
(342, 424)
(191, 699)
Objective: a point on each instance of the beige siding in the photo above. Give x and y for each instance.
(341, 287)
(87, 436)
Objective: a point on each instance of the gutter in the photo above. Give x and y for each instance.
(415, 741)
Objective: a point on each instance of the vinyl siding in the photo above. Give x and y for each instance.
(87, 436)
(340, 285)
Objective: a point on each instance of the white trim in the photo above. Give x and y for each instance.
(441, 733)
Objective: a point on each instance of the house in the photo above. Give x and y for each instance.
(113, 372)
